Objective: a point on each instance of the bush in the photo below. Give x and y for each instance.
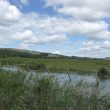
(102, 72)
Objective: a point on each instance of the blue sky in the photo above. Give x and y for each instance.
(34, 6)
(66, 27)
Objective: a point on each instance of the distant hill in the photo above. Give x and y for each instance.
(10, 52)
(107, 58)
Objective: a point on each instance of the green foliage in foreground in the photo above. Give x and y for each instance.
(103, 72)
(82, 66)
(20, 92)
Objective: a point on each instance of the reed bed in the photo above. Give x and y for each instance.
(19, 92)
(82, 66)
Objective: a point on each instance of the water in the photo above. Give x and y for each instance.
(64, 78)
(10, 68)
(75, 78)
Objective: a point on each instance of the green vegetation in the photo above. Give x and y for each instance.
(53, 62)
(102, 73)
(18, 92)
(56, 65)
(10, 52)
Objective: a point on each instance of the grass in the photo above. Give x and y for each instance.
(83, 66)
(18, 92)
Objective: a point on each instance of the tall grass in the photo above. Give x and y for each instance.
(18, 92)
(56, 65)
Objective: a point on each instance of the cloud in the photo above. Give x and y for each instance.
(24, 46)
(84, 19)
(94, 46)
(46, 39)
(82, 13)
(24, 2)
(86, 10)
(26, 34)
(35, 30)
(79, 27)
(8, 13)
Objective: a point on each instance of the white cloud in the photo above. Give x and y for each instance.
(94, 46)
(83, 27)
(23, 46)
(34, 29)
(45, 39)
(86, 10)
(26, 34)
(8, 13)
(85, 20)
(56, 52)
(24, 2)
(82, 13)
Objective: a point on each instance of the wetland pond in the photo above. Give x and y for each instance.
(65, 78)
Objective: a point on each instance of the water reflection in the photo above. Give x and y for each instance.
(64, 78)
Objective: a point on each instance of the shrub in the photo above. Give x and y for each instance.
(102, 72)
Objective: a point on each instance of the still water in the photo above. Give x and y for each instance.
(65, 78)
(75, 78)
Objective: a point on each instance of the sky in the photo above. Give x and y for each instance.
(67, 27)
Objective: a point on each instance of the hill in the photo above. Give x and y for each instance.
(10, 52)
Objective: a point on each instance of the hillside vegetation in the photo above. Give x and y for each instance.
(9, 52)
(52, 62)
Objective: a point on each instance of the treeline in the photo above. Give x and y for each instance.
(17, 53)
(5, 52)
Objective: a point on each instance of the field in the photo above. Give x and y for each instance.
(19, 92)
(83, 66)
